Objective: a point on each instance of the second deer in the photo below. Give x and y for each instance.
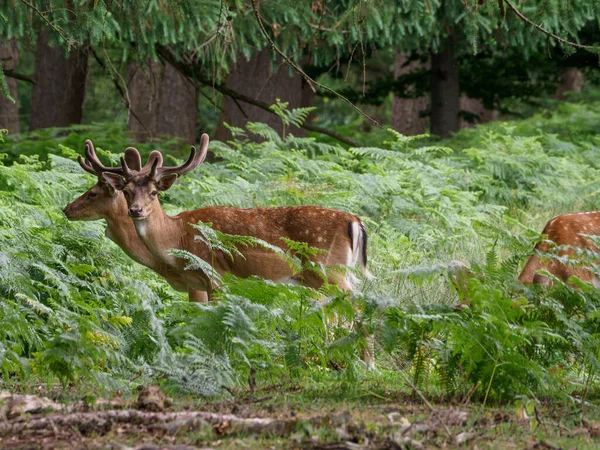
(101, 201)
(568, 232)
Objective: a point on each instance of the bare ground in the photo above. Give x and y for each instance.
(273, 419)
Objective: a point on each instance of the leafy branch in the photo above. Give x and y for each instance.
(294, 66)
(520, 15)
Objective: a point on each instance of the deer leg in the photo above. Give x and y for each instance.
(198, 296)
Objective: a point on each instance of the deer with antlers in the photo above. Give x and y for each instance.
(340, 235)
(567, 231)
(101, 201)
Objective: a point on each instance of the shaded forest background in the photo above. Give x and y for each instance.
(449, 68)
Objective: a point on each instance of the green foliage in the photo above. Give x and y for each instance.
(76, 310)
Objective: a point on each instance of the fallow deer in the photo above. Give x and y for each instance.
(568, 232)
(101, 201)
(341, 235)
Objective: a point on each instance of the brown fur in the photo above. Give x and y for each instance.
(322, 228)
(103, 202)
(564, 230)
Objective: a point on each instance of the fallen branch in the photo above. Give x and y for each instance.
(101, 422)
(185, 70)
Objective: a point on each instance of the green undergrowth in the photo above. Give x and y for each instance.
(77, 312)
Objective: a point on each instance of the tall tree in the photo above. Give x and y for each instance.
(59, 89)
(258, 79)
(162, 102)
(408, 113)
(445, 91)
(571, 81)
(9, 110)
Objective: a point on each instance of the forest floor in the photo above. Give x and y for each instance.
(291, 418)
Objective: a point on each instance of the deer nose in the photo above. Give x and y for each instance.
(135, 211)
(65, 209)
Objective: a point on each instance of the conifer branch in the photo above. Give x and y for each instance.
(68, 41)
(520, 15)
(301, 72)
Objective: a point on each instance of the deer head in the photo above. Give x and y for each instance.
(141, 188)
(102, 200)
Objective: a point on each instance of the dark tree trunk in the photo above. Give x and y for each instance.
(163, 102)
(475, 106)
(57, 97)
(407, 112)
(256, 79)
(9, 111)
(572, 81)
(445, 92)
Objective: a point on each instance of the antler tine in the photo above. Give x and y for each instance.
(180, 170)
(125, 170)
(154, 169)
(85, 165)
(203, 149)
(97, 166)
(133, 159)
(154, 155)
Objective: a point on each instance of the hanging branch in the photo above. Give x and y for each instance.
(308, 79)
(520, 15)
(59, 30)
(122, 91)
(187, 71)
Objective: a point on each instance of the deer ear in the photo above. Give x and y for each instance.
(166, 182)
(115, 181)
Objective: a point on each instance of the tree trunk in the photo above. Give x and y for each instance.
(256, 79)
(445, 92)
(572, 81)
(57, 97)
(9, 111)
(163, 102)
(406, 112)
(475, 106)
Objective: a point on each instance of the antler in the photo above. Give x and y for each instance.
(85, 165)
(133, 158)
(154, 155)
(153, 168)
(96, 165)
(193, 161)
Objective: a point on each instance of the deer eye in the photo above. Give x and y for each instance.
(127, 194)
(154, 193)
(92, 195)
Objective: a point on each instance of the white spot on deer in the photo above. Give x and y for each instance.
(320, 239)
(318, 228)
(140, 226)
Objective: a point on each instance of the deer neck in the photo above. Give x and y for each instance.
(121, 230)
(160, 233)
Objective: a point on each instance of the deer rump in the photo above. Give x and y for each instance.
(569, 232)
